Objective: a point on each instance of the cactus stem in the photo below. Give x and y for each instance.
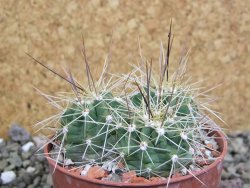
(160, 149)
(178, 145)
(166, 162)
(105, 132)
(119, 140)
(157, 139)
(129, 154)
(98, 134)
(150, 158)
(94, 150)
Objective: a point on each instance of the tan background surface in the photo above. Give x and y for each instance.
(218, 33)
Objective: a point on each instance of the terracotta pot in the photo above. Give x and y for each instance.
(210, 176)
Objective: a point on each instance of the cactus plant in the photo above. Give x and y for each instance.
(152, 124)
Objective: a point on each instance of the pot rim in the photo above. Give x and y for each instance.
(163, 182)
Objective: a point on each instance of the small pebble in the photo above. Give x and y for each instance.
(26, 147)
(10, 167)
(12, 147)
(36, 181)
(15, 160)
(7, 177)
(5, 153)
(30, 169)
(3, 164)
(26, 163)
(26, 155)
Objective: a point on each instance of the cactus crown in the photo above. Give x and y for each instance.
(145, 120)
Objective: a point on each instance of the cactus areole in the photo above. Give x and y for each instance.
(143, 129)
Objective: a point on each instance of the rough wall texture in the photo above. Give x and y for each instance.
(217, 32)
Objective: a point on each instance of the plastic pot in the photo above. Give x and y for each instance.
(210, 176)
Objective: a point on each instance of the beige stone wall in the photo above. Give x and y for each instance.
(218, 33)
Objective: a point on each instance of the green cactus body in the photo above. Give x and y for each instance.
(146, 145)
(87, 125)
(161, 142)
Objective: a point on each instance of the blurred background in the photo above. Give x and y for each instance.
(217, 33)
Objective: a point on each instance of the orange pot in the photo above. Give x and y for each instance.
(210, 176)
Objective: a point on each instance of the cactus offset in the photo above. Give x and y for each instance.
(86, 122)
